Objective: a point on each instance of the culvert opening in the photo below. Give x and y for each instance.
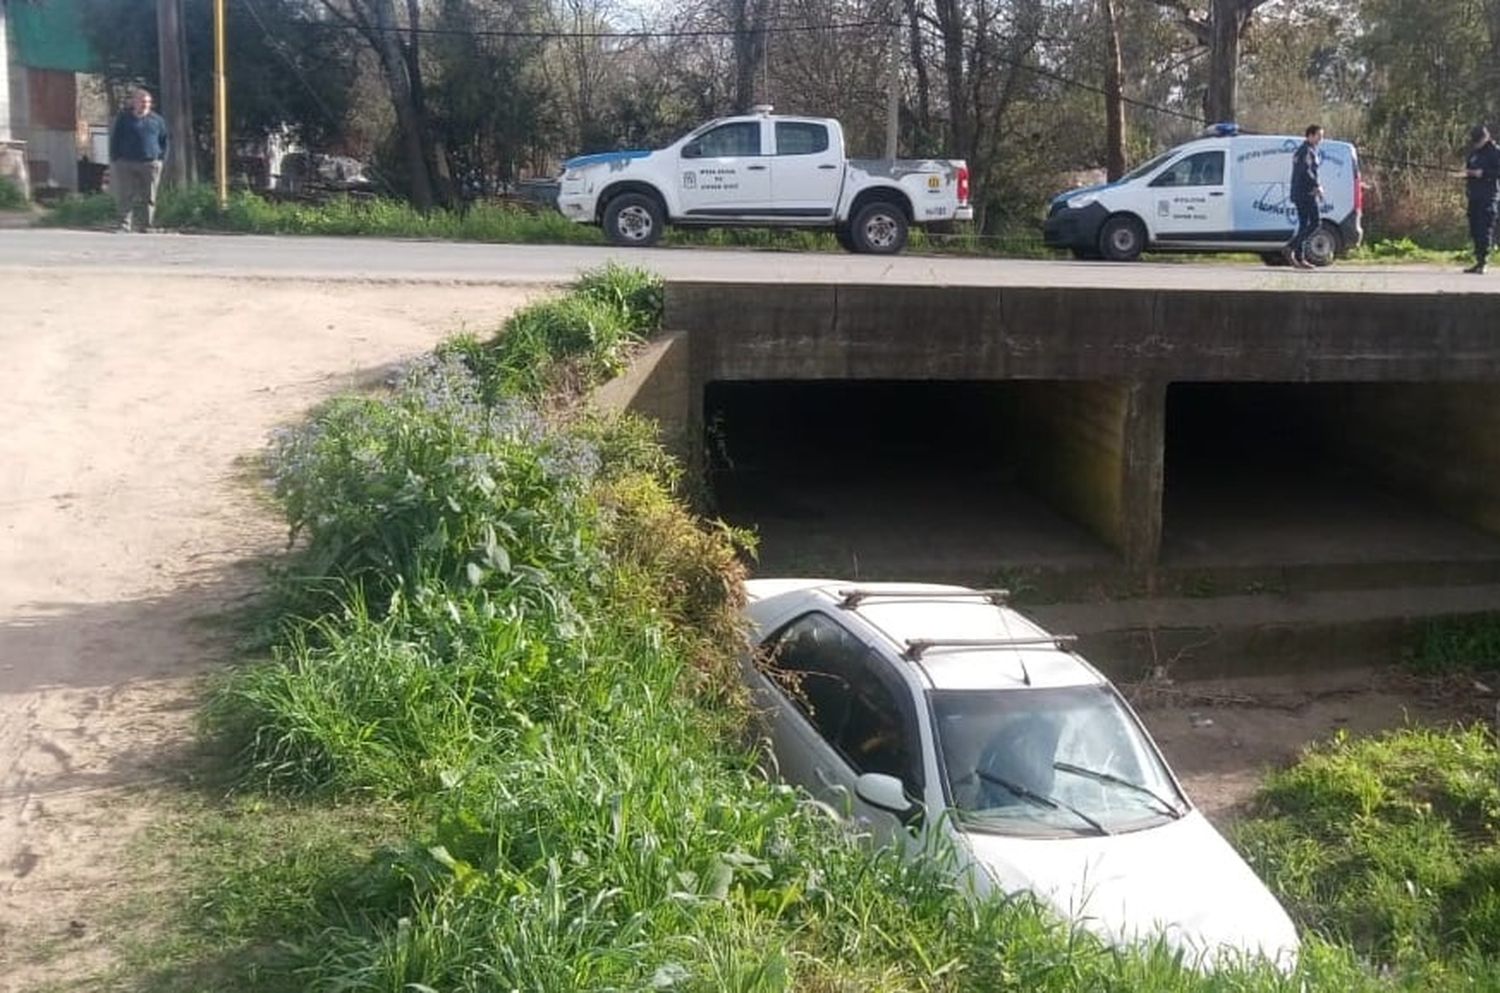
(884, 479)
(1295, 473)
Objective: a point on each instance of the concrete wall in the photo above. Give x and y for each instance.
(1440, 443)
(658, 385)
(1095, 451)
(754, 331)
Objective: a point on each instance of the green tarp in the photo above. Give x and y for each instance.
(49, 35)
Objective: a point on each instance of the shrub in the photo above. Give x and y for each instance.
(12, 197)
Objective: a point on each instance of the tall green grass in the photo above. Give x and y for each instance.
(503, 629)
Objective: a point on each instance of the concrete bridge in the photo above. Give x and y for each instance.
(1108, 442)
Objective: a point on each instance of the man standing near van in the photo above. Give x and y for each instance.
(1307, 191)
(137, 146)
(1482, 177)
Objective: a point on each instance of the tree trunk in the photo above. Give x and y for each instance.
(394, 65)
(1114, 94)
(181, 166)
(1224, 60)
(749, 17)
(924, 85)
(950, 23)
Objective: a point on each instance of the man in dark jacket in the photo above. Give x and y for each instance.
(1482, 176)
(1307, 191)
(137, 146)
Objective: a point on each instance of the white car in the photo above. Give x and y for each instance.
(762, 170)
(922, 709)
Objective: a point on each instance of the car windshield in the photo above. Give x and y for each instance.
(1145, 167)
(1050, 762)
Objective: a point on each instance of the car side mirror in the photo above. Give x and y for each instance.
(884, 792)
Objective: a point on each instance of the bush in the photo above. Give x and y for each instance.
(12, 197)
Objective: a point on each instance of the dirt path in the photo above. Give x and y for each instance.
(127, 526)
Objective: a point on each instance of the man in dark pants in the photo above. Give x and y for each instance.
(1307, 191)
(137, 146)
(1482, 176)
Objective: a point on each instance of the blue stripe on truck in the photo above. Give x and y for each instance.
(601, 158)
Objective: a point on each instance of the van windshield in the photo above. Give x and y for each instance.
(1145, 167)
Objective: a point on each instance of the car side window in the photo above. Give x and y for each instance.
(800, 138)
(849, 695)
(1199, 169)
(737, 138)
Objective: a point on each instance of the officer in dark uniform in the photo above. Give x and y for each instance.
(1306, 192)
(1482, 177)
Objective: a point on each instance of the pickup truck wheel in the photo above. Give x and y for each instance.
(633, 220)
(879, 228)
(844, 238)
(1123, 238)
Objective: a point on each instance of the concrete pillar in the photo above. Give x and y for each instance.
(1095, 450)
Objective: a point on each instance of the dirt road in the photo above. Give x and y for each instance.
(128, 524)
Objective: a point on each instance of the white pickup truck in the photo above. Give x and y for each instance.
(761, 170)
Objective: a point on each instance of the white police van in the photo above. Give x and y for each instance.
(1225, 192)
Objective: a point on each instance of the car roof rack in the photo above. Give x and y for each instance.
(917, 647)
(851, 598)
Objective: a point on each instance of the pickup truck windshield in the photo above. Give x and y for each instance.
(1050, 762)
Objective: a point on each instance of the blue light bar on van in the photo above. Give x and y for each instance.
(1223, 130)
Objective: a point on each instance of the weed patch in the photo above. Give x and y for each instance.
(1390, 844)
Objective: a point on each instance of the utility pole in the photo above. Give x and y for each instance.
(893, 96)
(171, 39)
(221, 110)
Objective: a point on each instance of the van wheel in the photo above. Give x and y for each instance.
(879, 228)
(633, 220)
(1123, 238)
(1324, 245)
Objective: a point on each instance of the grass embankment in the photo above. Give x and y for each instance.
(498, 742)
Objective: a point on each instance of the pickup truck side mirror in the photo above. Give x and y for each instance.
(887, 793)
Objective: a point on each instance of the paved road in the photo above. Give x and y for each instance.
(382, 259)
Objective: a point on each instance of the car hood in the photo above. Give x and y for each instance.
(1180, 881)
(1070, 194)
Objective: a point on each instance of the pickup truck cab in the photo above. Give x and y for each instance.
(763, 170)
(1225, 192)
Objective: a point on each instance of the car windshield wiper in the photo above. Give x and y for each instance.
(1037, 798)
(1105, 777)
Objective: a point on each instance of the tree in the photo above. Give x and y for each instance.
(1220, 29)
(1114, 93)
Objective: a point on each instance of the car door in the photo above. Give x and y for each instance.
(840, 711)
(1189, 200)
(806, 171)
(725, 171)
